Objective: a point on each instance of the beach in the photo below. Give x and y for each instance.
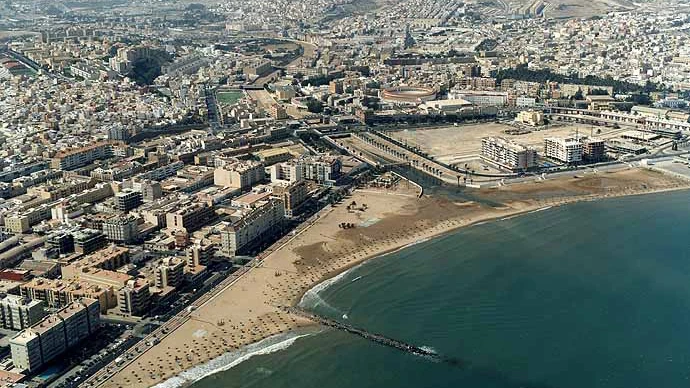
(384, 220)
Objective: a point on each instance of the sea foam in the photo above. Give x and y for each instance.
(231, 359)
(311, 298)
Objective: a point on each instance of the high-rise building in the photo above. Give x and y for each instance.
(63, 242)
(128, 199)
(151, 191)
(508, 154)
(288, 171)
(278, 112)
(18, 312)
(200, 254)
(254, 224)
(335, 87)
(89, 240)
(190, 217)
(134, 298)
(26, 351)
(170, 272)
(53, 335)
(568, 150)
(321, 169)
(119, 132)
(292, 194)
(593, 150)
(121, 229)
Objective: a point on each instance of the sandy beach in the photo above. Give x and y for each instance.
(384, 220)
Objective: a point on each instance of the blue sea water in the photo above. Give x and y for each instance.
(590, 295)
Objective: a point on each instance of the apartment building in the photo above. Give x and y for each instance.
(162, 172)
(19, 312)
(251, 225)
(292, 194)
(566, 150)
(287, 171)
(63, 242)
(593, 150)
(507, 154)
(190, 217)
(89, 240)
(62, 189)
(169, 272)
(321, 169)
(73, 158)
(531, 117)
(480, 98)
(239, 175)
(134, 298)
(59, 293)
(128, 199)
(53, 335)
(122, 229)
(22, 222)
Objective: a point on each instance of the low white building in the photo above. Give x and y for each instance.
(480, 98)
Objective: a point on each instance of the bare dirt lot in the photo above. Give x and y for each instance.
(462, 144)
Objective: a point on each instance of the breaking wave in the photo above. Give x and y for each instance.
(231, 359)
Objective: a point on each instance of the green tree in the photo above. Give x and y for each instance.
(314, 106)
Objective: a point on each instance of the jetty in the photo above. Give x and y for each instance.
(374, 337)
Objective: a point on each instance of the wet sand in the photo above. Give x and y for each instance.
(251, 309)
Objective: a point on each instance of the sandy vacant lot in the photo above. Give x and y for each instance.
(463, 143)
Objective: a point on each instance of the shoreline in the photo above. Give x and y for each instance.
(322, 252)
(351, 266)
(454, 229)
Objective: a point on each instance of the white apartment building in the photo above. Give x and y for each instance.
(568, 150)
(251, 226)
(170, 272)
(507, 154)
(480, 98)
(287, 171)
(18, 312)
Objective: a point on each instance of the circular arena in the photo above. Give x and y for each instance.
(408, 95)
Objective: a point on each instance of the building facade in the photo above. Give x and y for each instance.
(18, 312)
(239, 175)
(252, 226)
(507, 154)
(123, 229)
(568, 150)
(53, 335)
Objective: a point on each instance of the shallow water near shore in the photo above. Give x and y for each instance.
(593, 294)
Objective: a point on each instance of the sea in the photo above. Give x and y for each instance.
(593, 294)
